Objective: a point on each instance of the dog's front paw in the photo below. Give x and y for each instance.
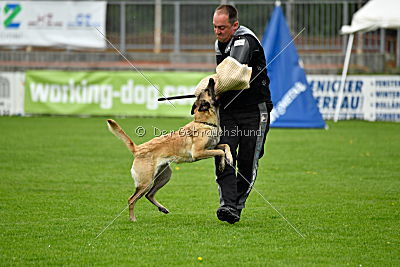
(229, 159)
(221, 166)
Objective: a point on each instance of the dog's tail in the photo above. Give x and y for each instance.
(118, 132)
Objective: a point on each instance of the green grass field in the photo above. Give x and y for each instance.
(63, 180)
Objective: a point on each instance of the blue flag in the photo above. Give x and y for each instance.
(294, 104)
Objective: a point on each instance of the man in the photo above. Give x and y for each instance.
(244, 115)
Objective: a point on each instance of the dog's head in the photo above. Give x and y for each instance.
(206, 101)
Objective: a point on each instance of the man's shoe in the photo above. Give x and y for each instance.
(227, 215)
(239, 212)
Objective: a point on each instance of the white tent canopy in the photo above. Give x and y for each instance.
(373, 15)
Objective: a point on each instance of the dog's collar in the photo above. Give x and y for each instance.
(207, 123)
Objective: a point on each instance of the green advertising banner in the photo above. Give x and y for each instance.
(109, 93)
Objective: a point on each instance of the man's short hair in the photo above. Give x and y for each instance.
(231, 11)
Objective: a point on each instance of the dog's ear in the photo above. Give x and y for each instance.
(193, 108)
(211, 83)
(211, 89)
(204, 106)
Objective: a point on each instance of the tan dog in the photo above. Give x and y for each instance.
(195, 141)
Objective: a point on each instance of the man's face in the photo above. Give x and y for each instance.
(222, 28)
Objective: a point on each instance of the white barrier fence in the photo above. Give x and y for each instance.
(373, 98)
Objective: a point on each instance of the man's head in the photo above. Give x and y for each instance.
(225, 22)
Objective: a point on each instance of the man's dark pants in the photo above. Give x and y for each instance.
(245, 132)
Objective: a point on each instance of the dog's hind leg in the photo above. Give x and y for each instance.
(161, 179)
(143, 180)
(140, 191)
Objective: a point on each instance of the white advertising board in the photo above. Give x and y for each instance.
(69, 24)
(11, 93)
(365, 97)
